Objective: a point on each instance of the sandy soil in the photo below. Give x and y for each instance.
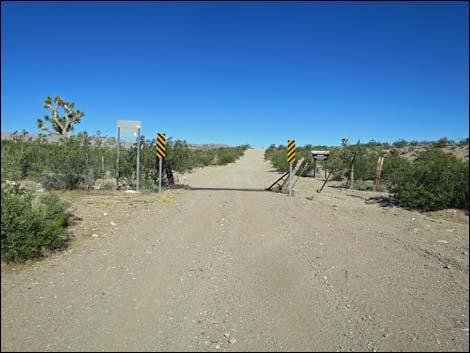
(228, 266)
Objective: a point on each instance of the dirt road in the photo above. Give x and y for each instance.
(227, 261)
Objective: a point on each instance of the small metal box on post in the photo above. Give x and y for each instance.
(161, 153)
(320, 156)
(291, 160)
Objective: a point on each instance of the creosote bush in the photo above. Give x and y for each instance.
(31, 231)
(80, 160)
(435, 180)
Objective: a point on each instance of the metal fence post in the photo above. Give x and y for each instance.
(117, 157)
(290, 179)
(138, 159)
(160, 175)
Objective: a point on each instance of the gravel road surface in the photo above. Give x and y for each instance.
(227, 266)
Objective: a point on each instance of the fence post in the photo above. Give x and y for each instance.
(138, 159)
(117, 157)
(351, 171)
(378, 172)
(290, 179)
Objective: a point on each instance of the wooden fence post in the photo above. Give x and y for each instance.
(351, 172)
(378, 173)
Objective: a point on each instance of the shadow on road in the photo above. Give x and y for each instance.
(337, 186)
(225, 189)
(382, 201)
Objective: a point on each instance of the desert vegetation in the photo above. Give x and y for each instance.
(432, 178)
(81, 160)
(33, 225)
(31, 229)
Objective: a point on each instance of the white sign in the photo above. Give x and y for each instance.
(129, 127)
(320, 155)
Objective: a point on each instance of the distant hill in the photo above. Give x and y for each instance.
(54, 138)
(208, 145)
(412, 152)
(50, 137)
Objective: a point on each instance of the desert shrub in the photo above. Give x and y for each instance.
(16, 156)
(269, 152)
(435, 181)
(463, 142)
(279, 161)
(69, 181)
(366, 165)
(75, 161)
(227, 155)
(148, 185)
(106, 184)
(79, 161)
(337, 175)
(179, 156)
(278, 157)
(338, 167)
(9, 166)
(400, 143)
(373, 144)
(442, 142)
(53, 182)
(29, 232)
(392, 163)
(203, 157)
(363, 185)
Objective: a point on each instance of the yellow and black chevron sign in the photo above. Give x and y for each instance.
(291, 151)
(161, 145)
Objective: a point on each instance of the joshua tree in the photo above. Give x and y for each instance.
(64, 125)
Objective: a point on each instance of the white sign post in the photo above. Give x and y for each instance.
(128, 128)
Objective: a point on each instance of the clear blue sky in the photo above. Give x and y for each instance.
(242, 72)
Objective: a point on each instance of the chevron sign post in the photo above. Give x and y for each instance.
(290, 159)
(161, 153)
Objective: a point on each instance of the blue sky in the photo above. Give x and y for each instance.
(242, 72)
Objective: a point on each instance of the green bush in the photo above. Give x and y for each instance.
(279, 161)
(339, 168)
(392, 163)
(227, 155)
(400, 143)
(278, 157)
(463, 142)
(435, 181)
(363, 185)
(54, 182)
(203, 157)
(77, 162)
(29, 232)
(179, 156)
(443, 142)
